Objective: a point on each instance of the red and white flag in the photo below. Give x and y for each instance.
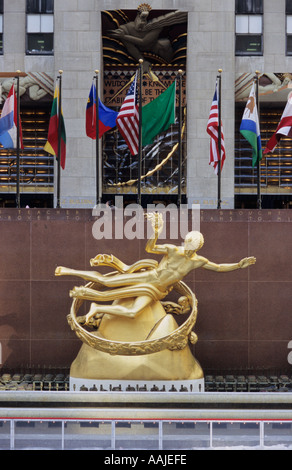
(284, 128)
(8, 122)
(128, 118)
(213, 131)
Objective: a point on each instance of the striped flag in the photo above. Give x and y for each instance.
(212, 130)
(128, 118)
(8, 122)
(53, 133)
(284, 128)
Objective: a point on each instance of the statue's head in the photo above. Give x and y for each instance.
(193, 241)
(144, 10)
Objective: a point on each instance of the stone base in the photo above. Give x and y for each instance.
(190, 386)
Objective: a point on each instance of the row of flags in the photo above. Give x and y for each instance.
(157, 116)
(249, 129)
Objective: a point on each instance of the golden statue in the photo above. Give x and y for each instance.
(135, 336)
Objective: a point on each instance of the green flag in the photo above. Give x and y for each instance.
(158, 115)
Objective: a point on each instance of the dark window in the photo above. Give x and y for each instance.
(40, 26)
(248, 44)
(249, 6)
(288, 27)
(39, 43)
(289, 44)
(1, 27)
(249, 27)
(288, 7)
(39, 6)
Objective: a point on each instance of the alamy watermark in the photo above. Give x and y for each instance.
(119, 222)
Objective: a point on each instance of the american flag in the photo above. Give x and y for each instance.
(212, 129)
(128, 118)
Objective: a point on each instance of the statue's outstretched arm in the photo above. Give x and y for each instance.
(156, 220)
(223, 268)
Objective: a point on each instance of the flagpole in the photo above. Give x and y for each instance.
(98, 198)
(140, 132)
(179, 136)
(17, 141)
(219, 139)
(59, 138)
(259, 202)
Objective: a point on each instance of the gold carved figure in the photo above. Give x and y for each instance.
(140, 36)
(135, 337)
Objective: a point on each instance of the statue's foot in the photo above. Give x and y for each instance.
(81, 320)
(85, 320)
(101, 259)
(59, 271)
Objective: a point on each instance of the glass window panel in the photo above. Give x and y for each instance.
(288, 7)
(38, 43)
(289, 24)
(241, 24)
(40, 6)
(38, 435)
(255, 24)
(248, 44)
(87, 435)
(185, 435)
(33, 23)
(289, 45)
(236, 435)
(278, 434)
(4, 435)
(133, 435)
(249, 6)
(1, 23)
(47, 23)
(47, 6)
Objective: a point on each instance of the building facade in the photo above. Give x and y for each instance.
(40, 38)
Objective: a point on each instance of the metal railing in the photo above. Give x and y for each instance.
(145, 420)
(63, 434)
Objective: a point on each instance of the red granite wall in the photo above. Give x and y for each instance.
(245, 317)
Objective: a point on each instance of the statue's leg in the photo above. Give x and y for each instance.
(115, 280)
(119, 310)
(87, 275)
